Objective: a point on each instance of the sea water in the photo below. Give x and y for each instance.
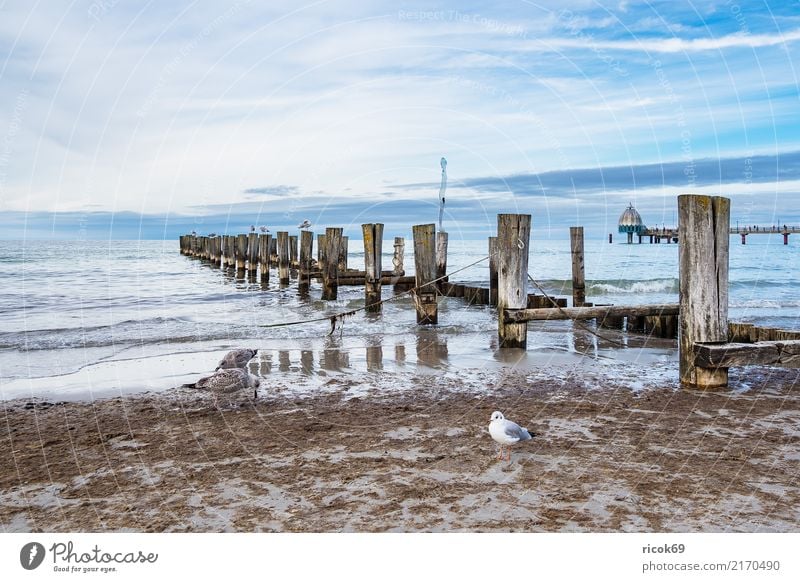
(82, 319)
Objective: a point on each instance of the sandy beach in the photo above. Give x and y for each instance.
(355, 458)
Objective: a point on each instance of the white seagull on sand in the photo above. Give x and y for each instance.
(236, 359)
(506, 433)
(227, 381)
(304, 225)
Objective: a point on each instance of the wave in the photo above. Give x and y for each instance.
(615, 286)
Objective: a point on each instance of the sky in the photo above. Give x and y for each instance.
(123, 119)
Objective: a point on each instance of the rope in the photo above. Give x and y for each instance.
(341, 315)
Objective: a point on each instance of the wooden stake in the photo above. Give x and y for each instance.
(241, 251)
(373, 247)
(513, 243)
(493, 271)
(397, 260)
(273, 252)
(283, 258)
(441, 256)
(703, 257)
(425, 265)
(252, 253)
(342, 255)
(333, 244)
(263, 255)
(578, 276)
(306, 252)
(293, 263)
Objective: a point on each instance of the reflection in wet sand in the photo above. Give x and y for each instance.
(432, 349)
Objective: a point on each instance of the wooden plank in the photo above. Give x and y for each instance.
(703, 268)
(513, 245)
(333, 244)
(549, 313)
(373, 247)
(772, 353)
(578, 275)
(425, 264)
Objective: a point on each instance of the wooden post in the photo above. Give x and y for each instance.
(441, 256)
(263, 255)
(273, 252)
(293, 263)
(513, 243)
(493, 271)
(321, 250)
(578, 276)
(252, 253)
(241, 251)
(425, 264)
(283, 258)
(231, 251)
(342, 255)
(610, 238)
(373, 246)
(333, 244)
(306, 252)
(703, 259)
(397, 260)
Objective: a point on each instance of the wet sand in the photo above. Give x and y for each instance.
(353, 457)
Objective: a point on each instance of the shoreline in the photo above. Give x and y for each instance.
(418, 458)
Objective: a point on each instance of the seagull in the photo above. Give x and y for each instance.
(227, 381)
(306, 224)
(263, 229)
(236, 359)
(506, 433)
(252, 228)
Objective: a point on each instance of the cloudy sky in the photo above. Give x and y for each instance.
(122, 119)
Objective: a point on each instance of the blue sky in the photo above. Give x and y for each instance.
(144, 120)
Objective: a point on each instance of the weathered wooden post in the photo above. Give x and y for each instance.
(306, 252)
(425, 266)
(441, 257)
(513, 244)
(263, 255)
(273, 252)
(252, 253)
(321, 250)
(373, 247)
(293, 252)
(231, 251)
(283, 258)
(398, 258)
(703, 258)
(330, 274)
(241, 251)
(578, 275)
(342, 255)
(493, 271)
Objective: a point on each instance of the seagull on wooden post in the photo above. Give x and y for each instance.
(305, 225)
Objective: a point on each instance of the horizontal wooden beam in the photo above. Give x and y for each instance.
(779, 353)
(544, 314)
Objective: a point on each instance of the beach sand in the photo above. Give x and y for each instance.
(353, 458)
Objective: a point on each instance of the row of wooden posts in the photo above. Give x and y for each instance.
(699, 320)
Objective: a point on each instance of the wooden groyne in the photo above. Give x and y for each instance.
(708, 343)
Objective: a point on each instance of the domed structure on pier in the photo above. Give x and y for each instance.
(631, 221)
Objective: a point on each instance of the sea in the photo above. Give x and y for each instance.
(81, 320)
